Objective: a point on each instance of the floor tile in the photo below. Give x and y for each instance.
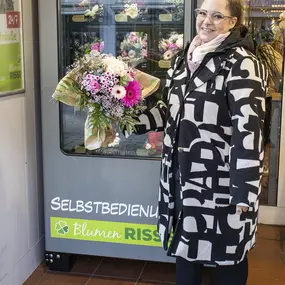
(266, 267)
(123, 268)
(268, 232)
(265, 264)
(264, 277)
(108, 281)
(64, 279)
(266, 255)
(162, 272)
(155, 283)
(206, 279)
(42, 267)
(282, 234)
(35, 277)
(86, 264)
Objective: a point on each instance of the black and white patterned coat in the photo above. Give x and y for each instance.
(214, 124)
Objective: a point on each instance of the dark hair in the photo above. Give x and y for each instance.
(236, 10)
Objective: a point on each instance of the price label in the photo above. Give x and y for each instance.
(78, 18)
(165, 17)
(13, 19)
(121, 18)
(164, 63)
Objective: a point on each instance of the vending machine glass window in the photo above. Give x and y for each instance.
(143, 34)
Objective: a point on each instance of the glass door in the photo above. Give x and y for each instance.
(144, 34)
(266, 22)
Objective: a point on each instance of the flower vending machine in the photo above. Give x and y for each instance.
(102, 63)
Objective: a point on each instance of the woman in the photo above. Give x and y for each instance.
(212, 159)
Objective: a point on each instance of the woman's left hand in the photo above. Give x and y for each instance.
(241, 209)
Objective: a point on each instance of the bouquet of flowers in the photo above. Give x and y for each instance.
(133, 48)
(132, 10)
(171, 46)
(96, 45)
(111, 93)
(178, 11)
(90, 11)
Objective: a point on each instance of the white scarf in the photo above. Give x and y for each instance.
(198, 50)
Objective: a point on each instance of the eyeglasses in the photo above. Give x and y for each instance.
(215, 17)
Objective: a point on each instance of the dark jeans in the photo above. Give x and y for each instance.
(189, 273)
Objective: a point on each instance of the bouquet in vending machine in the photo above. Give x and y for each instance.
(132, 9)
(91, 10)
(169, 47)
(109, 91)
(80, 49)
(178, 10)
(133, 48)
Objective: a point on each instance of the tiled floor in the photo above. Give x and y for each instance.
(267, 267)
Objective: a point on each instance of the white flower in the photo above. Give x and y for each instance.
(179, 42)
(118, 92)
(115, 66)
(95, 9)
(131, 54)
(173, 38)
(132, 10)
(95, 53)
(148, 146)
(92, 13)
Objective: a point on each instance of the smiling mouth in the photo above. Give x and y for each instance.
(207, 30)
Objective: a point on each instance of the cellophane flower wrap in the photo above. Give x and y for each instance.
(111, 93)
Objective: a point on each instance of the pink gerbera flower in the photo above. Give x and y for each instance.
(133, 94)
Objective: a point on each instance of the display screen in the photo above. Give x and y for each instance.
(143, 34)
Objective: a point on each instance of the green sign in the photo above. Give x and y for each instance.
(11, 67)
(103, 231)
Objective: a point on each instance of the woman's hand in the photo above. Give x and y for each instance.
(241, 209)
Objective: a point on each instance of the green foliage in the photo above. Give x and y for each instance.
(98, 120)
(130, 119)
(265, 53)
(123, 80)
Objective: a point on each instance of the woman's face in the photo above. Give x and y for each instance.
(210, 22)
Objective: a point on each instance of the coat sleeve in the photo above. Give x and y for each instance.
(155, 118)
(246, 88)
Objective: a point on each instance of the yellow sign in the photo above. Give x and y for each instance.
(104, 231)
(121, 18)
(78, 18)
(164, 63)
(165, 17)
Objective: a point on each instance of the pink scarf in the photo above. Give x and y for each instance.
(197, 50)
